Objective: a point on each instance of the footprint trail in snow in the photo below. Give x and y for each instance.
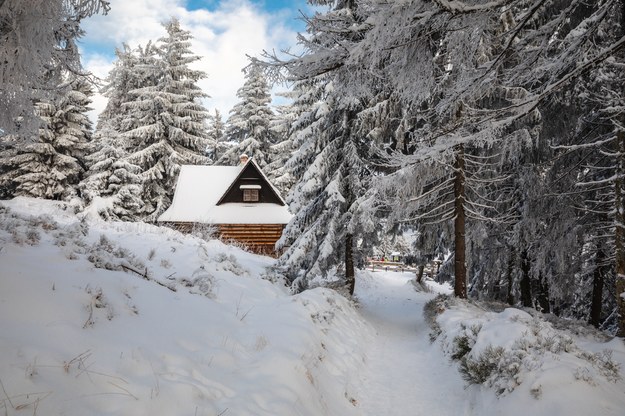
(405, 374)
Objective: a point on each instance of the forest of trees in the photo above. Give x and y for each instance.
(491, 130)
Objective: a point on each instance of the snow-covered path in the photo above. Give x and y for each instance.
(405, 374)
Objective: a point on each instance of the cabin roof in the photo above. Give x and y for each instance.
(199, 190)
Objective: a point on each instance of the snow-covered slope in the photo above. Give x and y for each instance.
(534, 367)
(130, 319)
(518, 362)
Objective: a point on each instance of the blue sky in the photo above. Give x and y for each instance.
(224, 31)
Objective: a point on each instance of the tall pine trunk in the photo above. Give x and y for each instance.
(420, 273)
(620, 232)
(525, 284)
(510, 277)
(460, 267)
(350, 276)
(542, 296)
(597, 287)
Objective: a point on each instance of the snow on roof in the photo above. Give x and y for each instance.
(199, 189)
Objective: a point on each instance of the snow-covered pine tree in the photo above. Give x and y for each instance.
(171, 121)
(250, 120)
(281, 152)
(217, 127)
(73, 128)
(46, 167)
(593, 178)
(110, 175)
(131, 70)
(37, 37)
(330, 170)
(8, 149)
(325, 201)
(216, 134)
(112, 183)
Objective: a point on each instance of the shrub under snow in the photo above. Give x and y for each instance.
(512, 350)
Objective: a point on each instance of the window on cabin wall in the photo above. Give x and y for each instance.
(250, 195)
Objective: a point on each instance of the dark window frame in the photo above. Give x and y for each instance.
(251, 195)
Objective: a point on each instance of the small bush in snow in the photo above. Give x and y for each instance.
(205, 232)
(604, 364)
(71, 239)
(465, 342)
(229, 263)
(202, 282)
(479, 369)
(32, 237)
(431, 310)
(107, 255)
(502, 368)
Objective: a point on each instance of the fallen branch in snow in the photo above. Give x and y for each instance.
(147, 277)
(128, 268)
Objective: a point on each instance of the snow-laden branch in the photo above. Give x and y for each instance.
(456, 6)
(436, 189)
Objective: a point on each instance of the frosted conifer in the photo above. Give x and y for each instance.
(37, 38)
(171, 128)
(250, 120)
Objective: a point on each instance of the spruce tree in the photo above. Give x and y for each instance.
(110, 175)
(37, 37)
(51, 165)
(250, 120)
(329, 166)
(216, 135)
(171, 123)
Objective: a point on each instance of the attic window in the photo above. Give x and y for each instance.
(250, 192)
(250, 195)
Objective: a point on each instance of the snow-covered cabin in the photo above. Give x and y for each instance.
(239, 200)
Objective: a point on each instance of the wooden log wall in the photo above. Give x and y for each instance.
(257, 238)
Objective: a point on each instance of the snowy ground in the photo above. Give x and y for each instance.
(405, 374)
(86, 331)
(541, 370)
(128, 319)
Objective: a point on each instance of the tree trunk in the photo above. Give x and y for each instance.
(350, 276)
(525, 284)
(420, 272)
(620, 232)
(597, 287)
(460, 267)
(510, 277)
(543, 295)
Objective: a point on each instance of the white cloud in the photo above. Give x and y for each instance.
(222, 38)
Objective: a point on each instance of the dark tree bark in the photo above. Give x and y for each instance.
(460, 267)
(620, 234)
(510, 278)
(420, 273)
(597, 287)
(350, 276)
(525, 284)
(543, 295)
